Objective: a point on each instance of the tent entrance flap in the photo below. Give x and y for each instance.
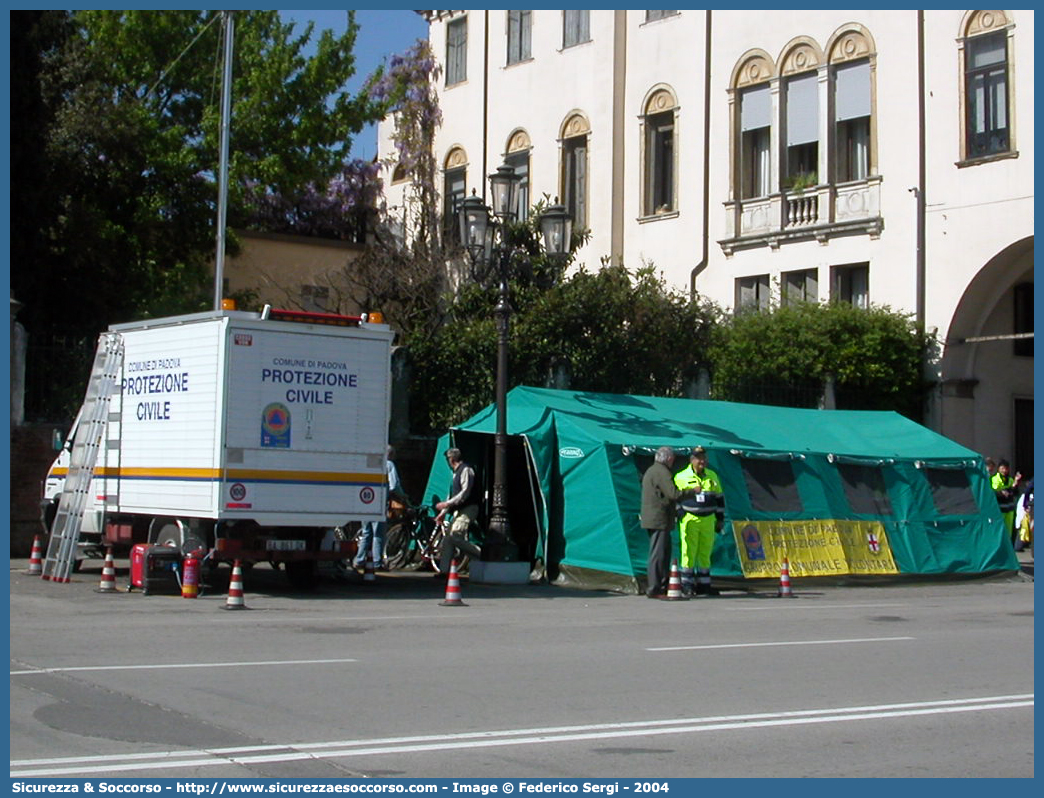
(525, 504)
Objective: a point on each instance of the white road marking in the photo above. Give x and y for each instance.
(784, 643)
(750, 606)
(113, 763)
(173, 665)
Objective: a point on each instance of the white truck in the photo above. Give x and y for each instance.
(249, 434)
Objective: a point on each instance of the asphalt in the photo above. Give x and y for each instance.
(263, 577)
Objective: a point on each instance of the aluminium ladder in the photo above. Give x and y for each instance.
(87, 441)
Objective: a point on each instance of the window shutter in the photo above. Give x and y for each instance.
(802, 110)
(526, 46)
(578, 189)
(577, 27)
(513, 38)
(755, 108)
(852, 91)
(456, 51)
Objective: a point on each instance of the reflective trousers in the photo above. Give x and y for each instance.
(696, 533)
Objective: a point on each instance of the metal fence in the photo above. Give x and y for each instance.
(805, 394)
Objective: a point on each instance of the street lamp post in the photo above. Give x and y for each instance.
(493, 256)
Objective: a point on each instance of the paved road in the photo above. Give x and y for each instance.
(378, 680)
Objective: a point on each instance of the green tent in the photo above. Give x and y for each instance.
(835, 492)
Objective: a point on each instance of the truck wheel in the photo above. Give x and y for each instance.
(302, 574)
(48, 515)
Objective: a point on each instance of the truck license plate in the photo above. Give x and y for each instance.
(285, 545)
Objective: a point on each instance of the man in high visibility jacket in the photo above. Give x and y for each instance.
(1006, 489)
(697, 527)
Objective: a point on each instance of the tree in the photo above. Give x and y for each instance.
(406, 89)
(403, 270)
(128, 119)
(612, 331)
(874, 355)
(344, 208)
(618, 331)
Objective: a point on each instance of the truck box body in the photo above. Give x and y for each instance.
(231, 417)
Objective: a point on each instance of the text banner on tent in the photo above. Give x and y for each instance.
(813, 548)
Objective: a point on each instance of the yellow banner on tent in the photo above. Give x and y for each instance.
(813, 548)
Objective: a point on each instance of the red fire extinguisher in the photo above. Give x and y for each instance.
(190, 575)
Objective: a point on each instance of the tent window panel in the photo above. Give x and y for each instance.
(865, 489)
(951, 491)
(771, 486)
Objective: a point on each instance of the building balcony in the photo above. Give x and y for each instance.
(819, 213)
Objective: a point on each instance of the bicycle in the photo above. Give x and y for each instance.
(416, 542)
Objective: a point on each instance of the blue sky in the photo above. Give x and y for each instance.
(381, 34)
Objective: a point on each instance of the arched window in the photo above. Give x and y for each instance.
(574, 136)
(659, 122)
(985, 55)
(803, 152)
(754, 116)
(454, 182)
(852, 67)
(517, 157)
(799, 68)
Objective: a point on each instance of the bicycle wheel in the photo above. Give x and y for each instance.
(431, 552)
(462, 558)
(397, 545)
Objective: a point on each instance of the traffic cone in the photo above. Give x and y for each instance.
(784, 580)
(674, 586)
(368, 574)
(452, 589)
(235, 589)
(108, 575)
(35, 558)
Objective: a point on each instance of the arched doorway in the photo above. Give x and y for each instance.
(984, 397)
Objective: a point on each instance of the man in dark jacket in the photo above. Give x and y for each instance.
(659, 494)
(463, 504)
